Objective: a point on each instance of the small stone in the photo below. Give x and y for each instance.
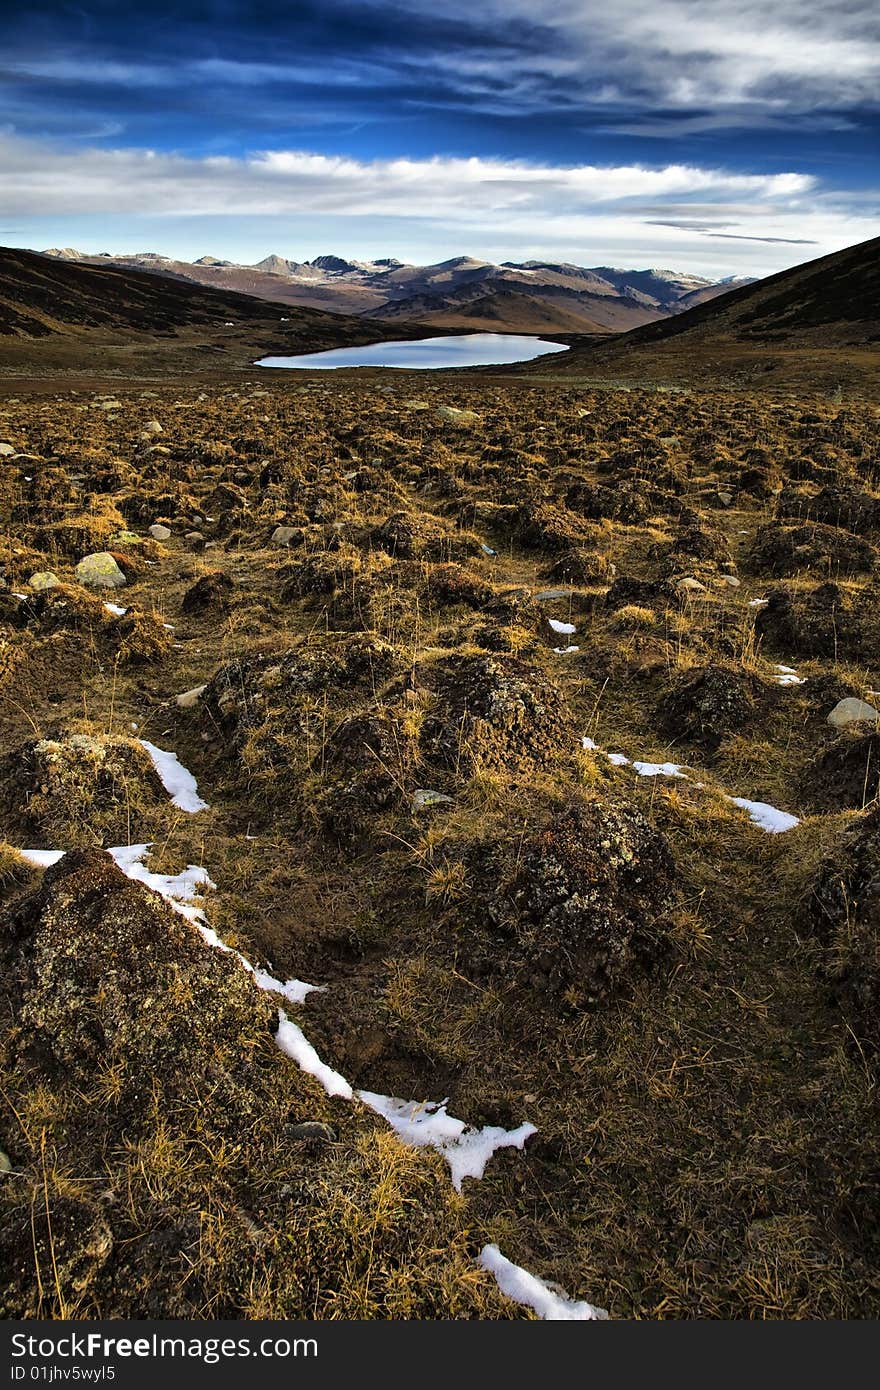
(160, 532)
(43, 579)
(190, 698)
(6, 451)
(852, 711)
(689, 585)
(195, 540)
(100, 571)
(546, 595)
(730, 580)
(725, 498)
(424, 796)
(5, 1162)
(283, 535)
(152, 427)
(310, 1131)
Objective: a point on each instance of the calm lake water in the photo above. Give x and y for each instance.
(460, 350)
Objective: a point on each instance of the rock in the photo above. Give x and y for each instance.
(283, 535)
(152, 427)
(190, 698)
(6, 451)
(160, 532)
(852, 711)
(124, 538)
(195, 540)
(100, 571)
(310, 1131)
(546, 595)
(725, 498)
(5, 1162)
(451, 415)
(689, 585)
(730, 580)
(43, 579)
(425, 797)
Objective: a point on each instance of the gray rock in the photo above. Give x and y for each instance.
(190, 698)
(730, 580)
(462, 419)
(689, 585)
(160, 532)
(310, 1131)
(426, 797)
(5, 1162)
(100, 571)
(283, 535)
(6, 451)
(725, 498)
(546, 595)
(43, 579)
(195, 540)
(852, 711)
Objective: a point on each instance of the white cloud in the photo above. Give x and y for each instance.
(492, 207)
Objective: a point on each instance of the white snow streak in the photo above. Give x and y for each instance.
(532, 1292)
(180, 784)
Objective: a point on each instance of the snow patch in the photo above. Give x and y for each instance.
(427, 1123)
(180, 784)
(564, 629)
(527, 1289)
(294, 1044)
(769, 818)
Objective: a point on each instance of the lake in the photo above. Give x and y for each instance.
(458, 350)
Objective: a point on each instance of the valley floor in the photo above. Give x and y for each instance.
(505, 714)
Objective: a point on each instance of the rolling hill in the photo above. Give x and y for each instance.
(817, 324)
(61, 314)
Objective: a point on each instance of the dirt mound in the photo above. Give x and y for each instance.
(784, 551)
(827, 621)
(708, 705)
(278, 711)
(572, 908)
(491, 712)
(212, 592)
(137, 1053)
(845, 776)
(844, 909)
(80, 792)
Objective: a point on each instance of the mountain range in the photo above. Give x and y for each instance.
(534, 296)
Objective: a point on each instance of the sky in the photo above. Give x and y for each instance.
(721, 137)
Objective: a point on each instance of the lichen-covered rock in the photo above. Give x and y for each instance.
(100, 571)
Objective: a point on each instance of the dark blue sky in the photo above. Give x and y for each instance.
(741, 94)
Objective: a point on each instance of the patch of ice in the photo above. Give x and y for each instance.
(294, 1044)
(180, 784)
(564, 629)
(530, 1291)
(565, 651)
(426, 1123)
(769, 818)
(758, 602)
(618, 759)
(116, 609)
